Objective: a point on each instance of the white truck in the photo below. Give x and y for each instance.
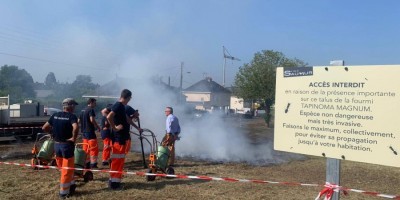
(20, 120)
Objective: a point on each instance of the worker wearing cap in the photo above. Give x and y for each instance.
(172, 129)
(88, 127)
(64, 128)
(119, 123)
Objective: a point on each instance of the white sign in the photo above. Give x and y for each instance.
(343, 112)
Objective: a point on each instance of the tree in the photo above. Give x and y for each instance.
(18, 83)
(50, 80)
(83, 84)
(256, 80)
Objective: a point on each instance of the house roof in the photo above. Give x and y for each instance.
(207, 85)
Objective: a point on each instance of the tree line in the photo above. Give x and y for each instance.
(19, 84)
(254, 81)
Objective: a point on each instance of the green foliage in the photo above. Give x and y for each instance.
(18, 83)
(50, 80)
(81, 86)
(256, 80)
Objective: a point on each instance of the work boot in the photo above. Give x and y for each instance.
(87, 165)
(63, 196)
(105, 163)
(72, 189)
(93, 166)
(115, 185)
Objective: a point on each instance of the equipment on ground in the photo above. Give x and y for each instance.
(80, 162)
(44, 155)
(159, 155)
(141, 143)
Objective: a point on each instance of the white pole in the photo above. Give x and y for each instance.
(223, 78)
(9, 113)
(180, 85)
(223, 67)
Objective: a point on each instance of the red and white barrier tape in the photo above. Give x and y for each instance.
(328, 188)
(328, 191)
(7, 128)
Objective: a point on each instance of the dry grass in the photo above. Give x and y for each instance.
(25, 183)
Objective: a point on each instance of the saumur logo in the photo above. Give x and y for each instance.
(297, 71)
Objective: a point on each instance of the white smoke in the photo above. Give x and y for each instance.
(213, 137)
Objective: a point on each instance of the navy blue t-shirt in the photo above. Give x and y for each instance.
(86, 125)
(120, 118)
(105, 128)
(104, 123)
(62, 125)
(129, 111)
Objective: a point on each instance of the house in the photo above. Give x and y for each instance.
(146, 87)
(208, 95)
(43, 93)
(239, 105)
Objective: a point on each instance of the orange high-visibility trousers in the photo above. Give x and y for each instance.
(127, 147)
(85, 148)
(107, 145)
(117, 161)
(67, 175)
(92, 151)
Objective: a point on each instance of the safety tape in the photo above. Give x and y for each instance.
(6, 128)
(328, 191)
(327, 187)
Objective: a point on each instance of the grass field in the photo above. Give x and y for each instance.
(25, 183)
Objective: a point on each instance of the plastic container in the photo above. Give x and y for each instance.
(47, 150)
(162, 157)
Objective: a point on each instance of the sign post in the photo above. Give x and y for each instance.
(332, 164)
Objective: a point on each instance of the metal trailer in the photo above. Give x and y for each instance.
(20, 120)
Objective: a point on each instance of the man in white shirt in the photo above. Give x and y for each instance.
(172, 129)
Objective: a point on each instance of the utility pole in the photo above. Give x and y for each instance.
(226, 55)
(180, 85)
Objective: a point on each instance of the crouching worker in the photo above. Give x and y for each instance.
(64, 128)
(172, 129)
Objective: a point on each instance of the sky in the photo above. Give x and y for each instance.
(106, 39)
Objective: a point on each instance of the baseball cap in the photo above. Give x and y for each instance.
(69, 101)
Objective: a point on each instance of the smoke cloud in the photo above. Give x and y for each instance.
(214, 137)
